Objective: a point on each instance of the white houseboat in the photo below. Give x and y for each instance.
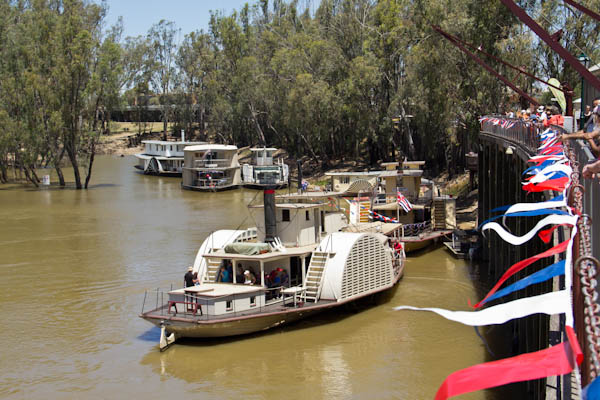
(264, 171)
(211, 167)
(298, 265)
(162, 157)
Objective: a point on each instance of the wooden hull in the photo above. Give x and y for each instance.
(210, 189)
(416, 245)
(235, 327)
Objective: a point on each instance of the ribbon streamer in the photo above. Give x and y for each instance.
(549, 303)
(559, 248)
(543, 275)
(557, 360)
(519, 240)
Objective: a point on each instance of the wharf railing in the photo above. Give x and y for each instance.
(584, 198)
(515, 130)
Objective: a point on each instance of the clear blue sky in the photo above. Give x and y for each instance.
(188, 15)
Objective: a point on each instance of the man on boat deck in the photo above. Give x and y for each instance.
(189, 278)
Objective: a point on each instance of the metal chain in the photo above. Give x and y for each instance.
(587, 267)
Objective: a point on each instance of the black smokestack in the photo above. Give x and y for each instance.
(270, 221)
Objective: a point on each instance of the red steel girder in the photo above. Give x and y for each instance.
(457, 42)
(545, 36)
(583, 9)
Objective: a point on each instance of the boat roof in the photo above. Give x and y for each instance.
(263, 148)
(354, 173)
(171, 142)
(271, 256)
(309, 195)
(210, 147)
(218, 289)
(148, 157)
(294, 206)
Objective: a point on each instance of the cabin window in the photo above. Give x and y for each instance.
(307, 215)
(171, 148)
(345, 180)
(285, 215)
(228, 305)
(252, 301)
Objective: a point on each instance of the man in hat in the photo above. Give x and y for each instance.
(189, 278)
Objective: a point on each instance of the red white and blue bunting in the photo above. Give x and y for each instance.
(551, 171)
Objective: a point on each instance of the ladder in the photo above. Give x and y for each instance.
(314, 276)
(212, 269)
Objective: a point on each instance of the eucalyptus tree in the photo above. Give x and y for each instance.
(162, 38)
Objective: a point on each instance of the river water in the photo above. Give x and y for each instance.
(74, 266)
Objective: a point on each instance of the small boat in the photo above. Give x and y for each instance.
(211, 167)
(294, 264)
(264, 171)
(161, 157)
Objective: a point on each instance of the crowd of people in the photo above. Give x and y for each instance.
(590, 130)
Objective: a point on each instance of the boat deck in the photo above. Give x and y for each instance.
(166, 312)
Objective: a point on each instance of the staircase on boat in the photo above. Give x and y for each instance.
(314, 276)
(212, 269)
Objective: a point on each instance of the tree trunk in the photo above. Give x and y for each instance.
(92, 154)
(75, 165)
(61, 177)
(3, 174)
(29, 177)
(165, 123)
(258, 128)
(34, 175)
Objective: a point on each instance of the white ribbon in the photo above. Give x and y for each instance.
(536, 206)
(518, 240)
(549, 303)
(544, 174)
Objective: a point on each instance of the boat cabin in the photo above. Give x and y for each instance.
(264, 170)
(162, 157)
(211, 167)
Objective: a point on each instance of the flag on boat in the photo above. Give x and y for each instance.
(403, 202)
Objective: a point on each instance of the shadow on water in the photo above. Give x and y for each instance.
(151, 335)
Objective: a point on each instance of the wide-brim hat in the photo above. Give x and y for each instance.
(190, 268)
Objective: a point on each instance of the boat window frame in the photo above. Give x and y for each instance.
(285, 215)
(229, 305)
(252, 301)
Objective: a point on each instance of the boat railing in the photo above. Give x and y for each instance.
(193, 307)
(212, 183)
(415, 229)
(213, 163)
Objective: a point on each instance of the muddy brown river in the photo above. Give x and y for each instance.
(74, 266)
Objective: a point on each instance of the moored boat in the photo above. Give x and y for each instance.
(264, 171)
(161, 157)
(298, 265)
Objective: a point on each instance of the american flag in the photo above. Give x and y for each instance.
(404, 203)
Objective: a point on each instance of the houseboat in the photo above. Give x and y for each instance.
(264, 171)
(162, 157)
(211, 167)
(294, 264)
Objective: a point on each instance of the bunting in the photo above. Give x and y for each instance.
(550, 172)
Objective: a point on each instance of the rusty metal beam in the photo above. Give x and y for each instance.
(457, 42)
(545, 36)
(583, 9)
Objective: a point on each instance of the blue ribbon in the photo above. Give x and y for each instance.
(540, 276)
(592, 391)
(560, 197)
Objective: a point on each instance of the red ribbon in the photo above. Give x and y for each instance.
(559, 248)
(557, 184)
(546, 234)
(557, 360)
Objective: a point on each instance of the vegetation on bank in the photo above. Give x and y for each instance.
(364, 80)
